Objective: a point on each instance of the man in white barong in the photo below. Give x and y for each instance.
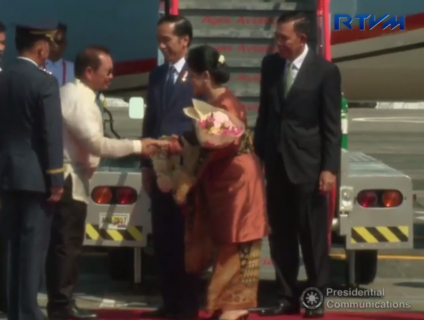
(84, 145)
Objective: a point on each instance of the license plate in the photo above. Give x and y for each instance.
(115, 222)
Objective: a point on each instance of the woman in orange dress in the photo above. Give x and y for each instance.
(225, 207)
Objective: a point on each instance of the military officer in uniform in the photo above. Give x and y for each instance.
(31, 166)
(3, 247)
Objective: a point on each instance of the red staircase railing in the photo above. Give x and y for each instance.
(169, 6)
(323, 16)
(173, 7)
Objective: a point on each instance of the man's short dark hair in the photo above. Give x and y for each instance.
(182, 27)
(2, 27)
(62, 27)
(89, 57)
(300, 21)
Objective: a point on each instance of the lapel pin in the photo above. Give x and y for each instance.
(184, 77)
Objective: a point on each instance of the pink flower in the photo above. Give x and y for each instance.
(219, 118)
(218, 123)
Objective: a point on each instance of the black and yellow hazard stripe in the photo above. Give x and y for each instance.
(132, 233)
(382, 234)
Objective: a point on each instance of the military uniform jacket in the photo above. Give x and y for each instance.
(31, 143)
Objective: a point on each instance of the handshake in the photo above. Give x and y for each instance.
(152, 146)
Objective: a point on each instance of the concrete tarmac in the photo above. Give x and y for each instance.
(395, 137)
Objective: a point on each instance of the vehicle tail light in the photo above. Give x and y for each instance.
(102, 195)
(126, 195)
(367, 198)
(391, 198)
(379, 198)
(114, 195)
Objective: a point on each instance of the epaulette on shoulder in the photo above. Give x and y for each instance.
(45, 70)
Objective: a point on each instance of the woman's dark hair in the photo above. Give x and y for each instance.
(205, 58)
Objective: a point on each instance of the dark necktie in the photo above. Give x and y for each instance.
(169, 84)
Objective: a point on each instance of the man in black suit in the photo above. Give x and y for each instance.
(31, 166)
(168, 93)
(298, 138)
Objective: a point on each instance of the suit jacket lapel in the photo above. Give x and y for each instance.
(162, 85)
(279, 84)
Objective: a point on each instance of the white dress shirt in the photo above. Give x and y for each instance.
(297, 63)
(84, 143)
(62, 70)
(179, 65)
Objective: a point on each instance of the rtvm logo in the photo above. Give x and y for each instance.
(368, 21)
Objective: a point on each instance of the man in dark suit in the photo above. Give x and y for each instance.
(298, 139)
(31, 166)
(168, 93)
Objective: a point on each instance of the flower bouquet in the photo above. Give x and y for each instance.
(173, 176)
(167, 167)
(215, 127)
(177, 170)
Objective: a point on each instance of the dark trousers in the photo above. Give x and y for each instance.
(297, 213)
(26, 221)
(3, 273)
(178, 289)
(63, 258)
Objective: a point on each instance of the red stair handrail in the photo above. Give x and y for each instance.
(173, 7)
(323, 12)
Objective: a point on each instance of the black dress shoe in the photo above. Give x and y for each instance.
(285, 307)
(314, 313)
(72, 313)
